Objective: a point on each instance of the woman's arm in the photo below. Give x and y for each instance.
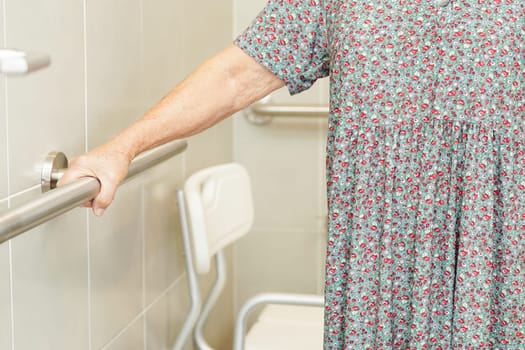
(223, 85)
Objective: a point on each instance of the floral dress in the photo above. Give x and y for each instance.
(425, 164)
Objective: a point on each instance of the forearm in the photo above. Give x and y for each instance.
(226, 83)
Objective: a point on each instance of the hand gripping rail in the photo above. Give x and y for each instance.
(60, 200)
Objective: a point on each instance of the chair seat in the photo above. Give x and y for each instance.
(287, 327)
(298, 313)
(266, 335)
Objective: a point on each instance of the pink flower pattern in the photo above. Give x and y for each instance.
(425, 164)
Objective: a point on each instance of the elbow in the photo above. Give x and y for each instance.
(249, 81)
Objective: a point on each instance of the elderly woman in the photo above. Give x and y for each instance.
(425, 158)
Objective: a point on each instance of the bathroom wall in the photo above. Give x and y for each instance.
(286, 248)
(117, 282)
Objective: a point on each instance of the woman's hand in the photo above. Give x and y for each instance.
(108, 166)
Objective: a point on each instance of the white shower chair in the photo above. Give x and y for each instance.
(219, 208)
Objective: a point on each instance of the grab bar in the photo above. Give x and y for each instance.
(263, 112)
(17, 62)
(60, 200)
(277, 110)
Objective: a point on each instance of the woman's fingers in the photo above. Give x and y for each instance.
(108, 167)
(104, 198)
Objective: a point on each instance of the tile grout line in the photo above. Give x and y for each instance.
(89, 286)
(143, 224)
(22, 192)
(84, 29)
(142, 188)
(6, 104)
(234, 157)
(88, 228)
(143, 312)
(143, 235)
(234, 8)
(10, 246)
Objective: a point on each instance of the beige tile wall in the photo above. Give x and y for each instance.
(44, 110)
(164, 317)
(162, 267)
(49, 267)
(285, 251)
(116, 261)
(79, 282)
(114, 67)
(132, 338)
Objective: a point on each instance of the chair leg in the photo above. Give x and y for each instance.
(193, 287)
(269, 298)
(214, 294)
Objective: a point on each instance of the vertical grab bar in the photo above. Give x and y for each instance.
(58, 201)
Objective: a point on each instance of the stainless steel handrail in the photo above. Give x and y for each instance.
(60, 200)
(261, 113)
(286, 110)
(17, 62)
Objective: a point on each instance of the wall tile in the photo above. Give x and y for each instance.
(113, 67)
(322, 217)
(212, 147)
(5, 292)
(53, 27)
(273, 262)
(193, 47)
(193, 44)
(162, 49)
(283, 159)
(172, 49)
(131, 339)
(116, 250)
(165, 318)
(219, 328)
(50, 283)
(245, 12)
(162, 232)
(130, 64)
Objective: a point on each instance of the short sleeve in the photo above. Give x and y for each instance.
(289, 38)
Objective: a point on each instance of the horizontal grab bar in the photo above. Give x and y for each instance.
(262, 113)
(284, 110)
(60, 200)
(17, 62)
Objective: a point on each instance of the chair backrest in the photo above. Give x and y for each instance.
(220, 210)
